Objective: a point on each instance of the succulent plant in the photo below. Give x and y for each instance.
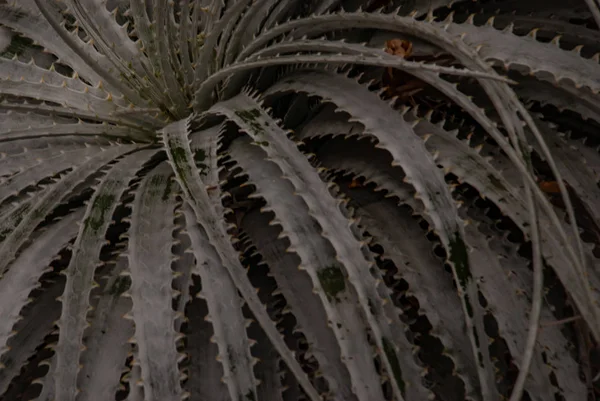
(287, 200)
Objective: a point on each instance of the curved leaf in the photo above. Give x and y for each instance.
(150, 266)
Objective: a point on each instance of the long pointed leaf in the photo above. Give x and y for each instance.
(318, 260)
(28, 218)
(80, 272)
(150, 265)
(225, 314)
(23, 276)
(374, 299)
(188, 175)
(397, 137)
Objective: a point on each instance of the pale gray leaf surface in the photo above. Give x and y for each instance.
(204, 145)
(30, 152)
(506, 304)
(186, 36)
(564, 98)
(337, 229)
(167, 71)
(16, 70)
(132, 71)
(470, 166)
(11, 216)
(111, 37)
(337, 90)
(106, 340)
(217, 287)
(136, 386)
(385, 178)
(539, 58)
(188, 176)
(66, 45)
(317, 258)
(29, 218)
(142, 23)
(59, 162)
(39, 322)
(183, 266)
(151, 276)
(206, 87)
(569, 243)
(86, 50)
(248, 26)
(507, 285)
(237, 13)
(222, 25)
(58, 111)
(296, 287)
(501, 292)
(64, 129)
(66, 97)
(416, 263)
(397, 137)
(589, 154)
(16, 120)
(80, 272)
(225, 314)
(412, 255)
(204, 371)
(569, 161)
(32, 24)
(42, 312)
(23, 275)
(436, 298)
(315, 25)
(270, 387)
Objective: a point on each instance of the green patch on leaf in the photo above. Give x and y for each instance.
(121, 284)
(250, 117)
(332, 280)
(178, 153)
(390, 354)
(167, 190)
(156, 180)
(179, 159)
(156, 183)
(101, 205)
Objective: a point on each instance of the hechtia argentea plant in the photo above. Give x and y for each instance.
(286, 200)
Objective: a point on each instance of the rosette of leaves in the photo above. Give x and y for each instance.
(256, 200)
